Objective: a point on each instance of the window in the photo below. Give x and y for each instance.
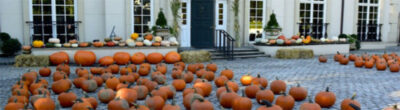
(312, 18)
(367, 24)
(142, 16)
(256, 19)
(184, 13)
(53, 18)
(220, 14)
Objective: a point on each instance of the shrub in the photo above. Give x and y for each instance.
(11, 46)
(4, 36)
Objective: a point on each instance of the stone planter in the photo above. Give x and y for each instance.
(353, 46)
(272, 33)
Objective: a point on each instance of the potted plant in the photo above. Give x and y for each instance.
(354, 43)
(161, 28)
(272, 29)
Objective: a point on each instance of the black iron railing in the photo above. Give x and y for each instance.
(224, 43)
(369, 32)
(316, 30)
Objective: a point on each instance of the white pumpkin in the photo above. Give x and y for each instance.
(158, 39)
(175, 43)
(335, 38)
(129, 40)
(264, 40)
(323, 39)
(54, 40)
(342, 40)
(173, 39)
(147, 42)
(299, 41)
(74, 45)
(140, 39)
(165, 43)
(131, 44)
(66, 45)
(58, 45)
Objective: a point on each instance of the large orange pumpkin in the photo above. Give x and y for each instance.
(59, 58)
(172, 57)
(122, 58)
(154, 58)
(105, 61)
(85, 58)
(138, 58)
(325, 98)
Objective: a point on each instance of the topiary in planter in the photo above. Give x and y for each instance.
(11, 46)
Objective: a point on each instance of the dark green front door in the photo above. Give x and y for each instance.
(202, 22)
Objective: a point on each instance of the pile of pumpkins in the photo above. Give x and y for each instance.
(142, 83)
(297, 40)
(88, 58)
(380, 62)
(133, 41)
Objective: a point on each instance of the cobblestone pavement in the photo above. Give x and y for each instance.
(375, 89)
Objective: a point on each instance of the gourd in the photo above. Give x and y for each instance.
(54, 40)
(37, 43)
(134, 36)
(157, 39)
(147, 42)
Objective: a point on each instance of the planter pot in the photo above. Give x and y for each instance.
(353, 46)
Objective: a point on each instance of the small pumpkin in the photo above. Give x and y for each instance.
(344, 60)
(138, 58)
(205, 86)
(285, 101)
(91, 100)
(246, 80)
(45, 72)
(179, 84)
(251, 91)
(264, 94)
(105, 95)
(325, 98)
(89, 85)
(128, 94)
(112, 83)
(14, 106)
(170, 90)
(155, 102)
(118, 104)
(220, 81)
(154, 58)
(278, 86)
(345, 105)
(298, 93)
(142, 92)
(121, 58)
(59, 58)
(260, 81)
(139, 44)
(394, 67)
(242, 103)
(45, 103)
(67, 98)
(322, 59)
(188, 99)
(38, 44)
(148, 36)
(172, 57)
(106, 61)
(310, 105)
(228, 73)
(61, 85)
(201, 104)
(226, 98)
(269, 106)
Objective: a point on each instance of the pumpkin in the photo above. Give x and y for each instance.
(106, 61)
(139, 44)
(226, 98)
(246, 80)
(264, 94)
(122, 58)
(84, 58)
(233, 85)
(134, 36)
(220, 81)
(188, 99)
(201, 104)
(82, 105)
(260, 81)
(251, 91)
(195, 90)
(128, 94)
(114, 68)
(112, 83)
(345, 105)
(59, 58)
(89, 85)
(298, 93)
(98, 80)
(171, 106)
(269, 106)
(106, 76)
(278, 86)
(242, 103)
(151, 85)
(172, 57)
(352, 57)
(338, 56)
(280, 42)
(381, 65)
(158, 39)
(160, 92)
(310, 105)
(45, 103)
(67, 98)
(59, 75)
(155, 102)
(91, 100)
(322, 59)
(118, 104)
(344, 60)
(138, 58)
(64, 68)
(26, 48)
(179, 84)
(325, 98)
(105, 95)
(156, 44)
(285, 101)
(66, 45)
(192, 68)
(212, 67)
(38, 44)
(18, 98)
(45, 72)
(14, 106)
(272, 41)
(188, 76)
(142, 92)
(127, 78)
(369, 64)
(228, 73)
(205, 86)
(170, 90)
(81, 72)
(73, 41)
(144, 71)
(148, 37)
(98, 44)
(359, 63)
(394, 67)
(209, 75)
(61, 85)
(154, 58)
(307, 40)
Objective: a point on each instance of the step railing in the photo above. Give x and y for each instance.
(224, 43)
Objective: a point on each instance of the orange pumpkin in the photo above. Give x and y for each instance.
(325, 98)
(394, 67)
(118, 104)
(260, 81)
(310, 105)
(138, 58)
(322, 59)
(242, 103)
(246, 80)
(201, 104)
(226, 98)
(149, 37)
(128, 94)
(269, 106)
(45, 103)
(251, 91)
(85, 58)
(154, 58)
(285, 101)
(187, 99)
(106, 60)
(155, 102)
(61, 85)
(67, 98)
(105, 95)
(122, 58)
(264, 94)
(345, 105)
(82, 105)
(278, 86)
(212, 67)
(45, 72)
(171, 106)
(14, 106)
(205, 86)
(298, 93)
(59, 58)
(98, 44)
(112, 83)
(172, 57)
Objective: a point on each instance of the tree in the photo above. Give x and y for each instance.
(272, 23)
(161, 21)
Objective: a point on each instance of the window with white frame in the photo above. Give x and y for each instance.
(256, 19)
(220, 14)
(142, 16)
(367, 23)
(53, 18)
(312, 18)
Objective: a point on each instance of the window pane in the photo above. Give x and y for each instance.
(253, 4)
(60, 10)
(46, 9)
(138, 10)
(37, 10)
(69, 2)
(46, 1)
(260, 4)
(138, 29)
(146, 20)
(138, 20)
(146, 11)
(69, 10)
(59, 2)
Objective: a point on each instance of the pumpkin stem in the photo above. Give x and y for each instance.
(276, 78)
(267, 103)
(258, 75)
(243, 93)
(310, 99)
(90, 108)
(78, 100)
(355, 107)
(173, 102)
(337, 52)
(395, 106)
(298, 84)
(130, 85)
(227, 88)
(354, 96)
(85, 95)
(327, 89)
(283, 93)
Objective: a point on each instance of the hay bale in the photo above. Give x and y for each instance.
(25, 60)
(295, 53)
(195, 56)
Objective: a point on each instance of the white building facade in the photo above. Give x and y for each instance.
(375, 21)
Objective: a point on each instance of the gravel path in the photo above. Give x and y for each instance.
(375, 89)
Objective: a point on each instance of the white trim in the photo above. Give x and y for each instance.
(30, 14)
(186, 28)
(132, 16)
(224, 14)
(151, 15)
(54, 18)
(324, 20)
(264, 9)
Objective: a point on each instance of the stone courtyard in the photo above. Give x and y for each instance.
(375, 89)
